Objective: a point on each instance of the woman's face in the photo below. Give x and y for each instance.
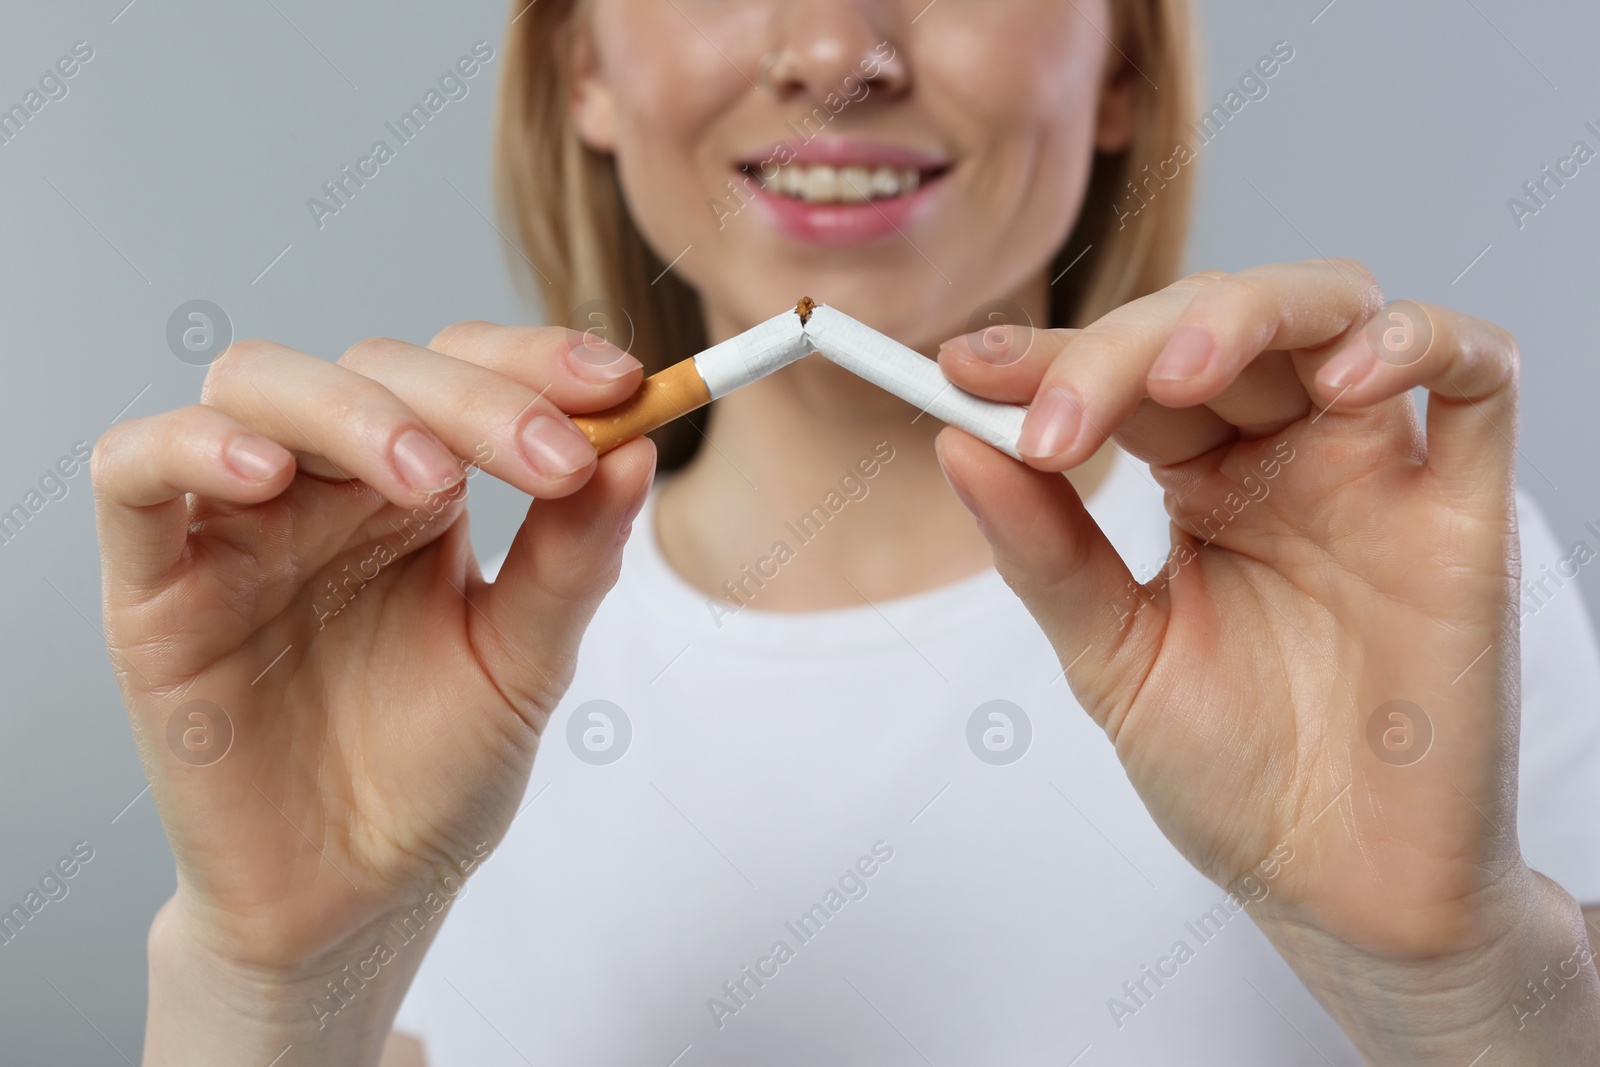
(902, 160)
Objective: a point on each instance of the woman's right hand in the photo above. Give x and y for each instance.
(288, 560)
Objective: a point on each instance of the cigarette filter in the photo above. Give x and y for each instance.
(698, 380)
(795, 333)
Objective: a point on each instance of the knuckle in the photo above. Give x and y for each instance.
(1369, 294)
(363, 420)
(1352, 266)
(106, 456)
(458, 334)
(1509, 351)
(1246, 305)
(137, 444)
(1369, 301)
(1114, 333)
(247, 352)
(1249, 290)
(238, 356)
(1042, 347)
(1200, 279)
(368, 352)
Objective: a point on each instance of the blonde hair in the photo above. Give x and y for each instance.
(565, 202)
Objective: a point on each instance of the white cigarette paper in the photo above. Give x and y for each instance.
(913, 378)
(888, 364)
(756, 353)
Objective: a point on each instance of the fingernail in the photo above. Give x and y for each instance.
(424, 464)
(599, 361)
(554, 447)
(1185, 356)
(1350, 367)
(255, 459)
(1052, 424)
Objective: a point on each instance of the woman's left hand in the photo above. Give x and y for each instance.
(1320, 686)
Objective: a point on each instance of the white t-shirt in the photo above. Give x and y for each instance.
(809, 847)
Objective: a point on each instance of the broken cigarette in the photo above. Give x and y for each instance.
(808, 327)
(698, 380)
(912, 377)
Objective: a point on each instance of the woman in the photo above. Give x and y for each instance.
(817, 791)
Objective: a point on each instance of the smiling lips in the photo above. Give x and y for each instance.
(822, 184)
(835, 191)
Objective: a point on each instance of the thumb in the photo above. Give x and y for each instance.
(1054, 555)
(563, 561)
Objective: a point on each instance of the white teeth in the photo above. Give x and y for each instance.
(885, 182)
(853, 182)
(791, 182)
(822, 184)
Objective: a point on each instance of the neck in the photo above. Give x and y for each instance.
(816, 490)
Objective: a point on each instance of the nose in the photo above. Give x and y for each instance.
(822, 43)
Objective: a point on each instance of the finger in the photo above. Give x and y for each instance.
(1164, 436)
(1468, 366)
(1184, 346)
(347, 425)
(1051, 551)
(561, 563)
(1003, 362)
(578, 372)
(509, 429)
(1006, 363)
(1264, 397)
(143, 469)
(1099, 378)
(1275, 308)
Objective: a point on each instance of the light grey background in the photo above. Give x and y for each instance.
(178, 167)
